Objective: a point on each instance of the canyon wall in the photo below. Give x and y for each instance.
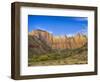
(60, 42)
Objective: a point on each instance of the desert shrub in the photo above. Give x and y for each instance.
(53, 55)
(33, 58)
(43, 58)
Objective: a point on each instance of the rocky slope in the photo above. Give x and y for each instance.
(58, 42)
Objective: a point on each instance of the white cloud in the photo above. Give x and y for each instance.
(44, 29)
(69, 35)
(50, 32)
(40, 28)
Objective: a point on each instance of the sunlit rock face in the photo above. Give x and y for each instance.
(60, 42)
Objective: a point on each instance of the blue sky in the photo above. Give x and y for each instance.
(58, 25)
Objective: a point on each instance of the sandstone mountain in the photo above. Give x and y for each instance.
(46, 49)
(56, 42)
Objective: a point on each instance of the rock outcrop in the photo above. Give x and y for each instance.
(60, 42)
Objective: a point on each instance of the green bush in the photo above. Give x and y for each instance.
(43, 58)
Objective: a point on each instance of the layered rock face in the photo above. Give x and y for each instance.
(63, 42)
(43, 35)
(60, 42)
